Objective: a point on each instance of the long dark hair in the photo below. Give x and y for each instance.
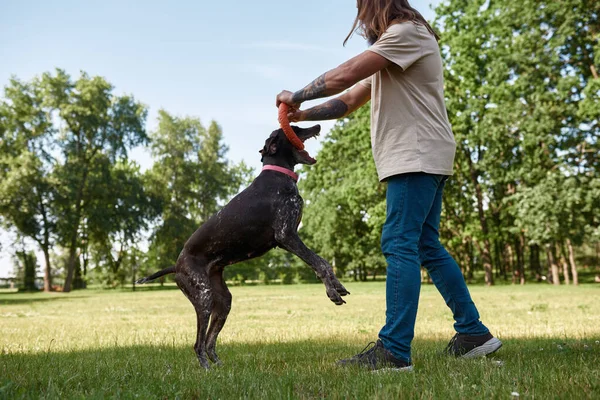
(375, 16)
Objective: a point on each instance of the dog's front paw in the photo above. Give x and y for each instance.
(341, 289)
(335, 296)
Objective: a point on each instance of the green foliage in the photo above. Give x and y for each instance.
(99, 128)
(192, 179)
(65, 176)
(276, 266)
(521, 96)
(345, 203)
(28, 187)
(123, 211)
(26, 267)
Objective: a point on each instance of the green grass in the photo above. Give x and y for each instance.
(282, 341)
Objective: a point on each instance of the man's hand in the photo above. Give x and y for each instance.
(286, 97)
(296, 115)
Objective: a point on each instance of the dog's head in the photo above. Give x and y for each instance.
(279, 150)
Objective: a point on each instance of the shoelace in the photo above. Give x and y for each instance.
(450, 347)
(366, 351)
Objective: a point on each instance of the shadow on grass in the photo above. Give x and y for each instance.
(7, 299)
(304, 369)
(148, 287)
(11, 298)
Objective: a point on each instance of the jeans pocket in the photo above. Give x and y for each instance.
(395, 208)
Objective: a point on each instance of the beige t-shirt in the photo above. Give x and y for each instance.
(410, 131)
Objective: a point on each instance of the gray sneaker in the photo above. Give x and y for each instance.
(467, 346)
(376, 358)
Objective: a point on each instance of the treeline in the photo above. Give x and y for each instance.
(67, 182)
(69, 190)
(523, 97)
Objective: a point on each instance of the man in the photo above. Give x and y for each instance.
(413, 147)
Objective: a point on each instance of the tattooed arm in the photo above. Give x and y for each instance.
(335, 108)
(336, 80)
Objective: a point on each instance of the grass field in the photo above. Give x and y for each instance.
(282, 341)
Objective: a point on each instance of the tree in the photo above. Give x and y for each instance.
(191, 177)
(520, 100)
(27, 187)
(522, 94)
(344, 202)
(46, 170)
(97, 125)
(121, 211)
(26, 267)
(217, 180)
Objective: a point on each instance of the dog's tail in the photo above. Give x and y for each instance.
(152, 277)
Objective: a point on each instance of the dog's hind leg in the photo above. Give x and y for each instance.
(203, 316)
(220, 310)
(195, 285)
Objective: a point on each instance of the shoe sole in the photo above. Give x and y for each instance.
(488, 347)
(384, 370)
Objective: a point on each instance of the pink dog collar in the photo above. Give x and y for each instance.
(286, 171)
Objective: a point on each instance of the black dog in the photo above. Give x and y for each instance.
(264, 216)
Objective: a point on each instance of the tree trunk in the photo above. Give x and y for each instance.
(498, 260)
(468, 260)
(85, 240)
(520, 244)
(78, 281)
(70, 266)
(47, 271)
(363, 275)
(565, 265)
(133, 269)
(29, 263)
(572, 262)
(75, 234)
(510, 262)
(534, 262)
(45, 245)
(552, 265)
(486, 253)
(85, 259)
(487, 265)
(471, 269)
(460, 255)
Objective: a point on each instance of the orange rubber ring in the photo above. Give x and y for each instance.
(287, 129)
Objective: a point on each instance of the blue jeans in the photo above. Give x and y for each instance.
(410, 239)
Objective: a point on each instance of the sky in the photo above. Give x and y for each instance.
(216, 60)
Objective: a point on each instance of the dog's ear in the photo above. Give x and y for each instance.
(270, 146)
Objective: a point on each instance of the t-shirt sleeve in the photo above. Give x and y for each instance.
(400, 44)
(366, 82)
